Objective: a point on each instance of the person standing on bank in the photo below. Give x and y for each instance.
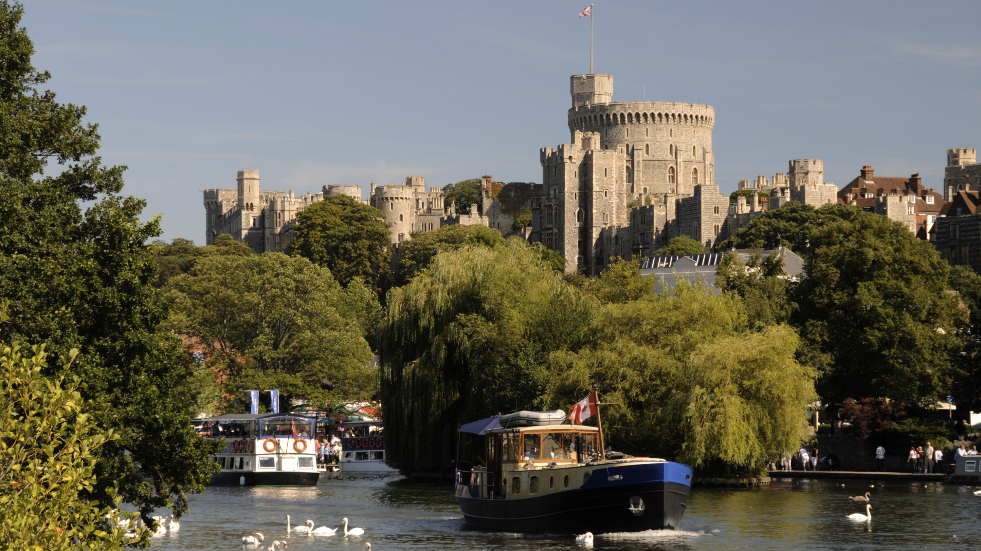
(928, 458)
(804, 460)
(814, 459)
(911, 461)
(880, 458)
(938, 457)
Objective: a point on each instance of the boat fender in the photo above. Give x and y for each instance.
(269, 444)
(300, 445)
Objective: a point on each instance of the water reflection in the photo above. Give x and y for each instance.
(403, 515)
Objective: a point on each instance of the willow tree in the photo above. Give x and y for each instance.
(468, 338)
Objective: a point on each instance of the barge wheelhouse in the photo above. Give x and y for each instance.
(262, 450)
(551, 479)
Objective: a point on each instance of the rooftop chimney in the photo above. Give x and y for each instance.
(867, 173)
(916, 183)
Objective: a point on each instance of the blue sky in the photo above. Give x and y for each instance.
(316, 93)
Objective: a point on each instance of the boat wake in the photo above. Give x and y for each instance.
(652, 535)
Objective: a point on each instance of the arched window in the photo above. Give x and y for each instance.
(392, 206)
(670, 174)
(579, 216)
(400, 218)
(693, 154)
(630, 175)
(694, 177)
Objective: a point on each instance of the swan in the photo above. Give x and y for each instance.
(173, 525)
(299, 529)
(367, 547)
(585, 538)
(977, 493)
(322, 531)
(160, 529)
(863, 499)
(254, 539)
(860, 516)
(352, 531)
(277, 546)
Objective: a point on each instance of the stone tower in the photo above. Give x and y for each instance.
(248, 189)
(963, 173)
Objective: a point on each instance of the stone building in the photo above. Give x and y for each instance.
(963, 173)
(264, 220)
(957, 232)
(905, 200)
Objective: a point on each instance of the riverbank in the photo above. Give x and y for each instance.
(858, 475)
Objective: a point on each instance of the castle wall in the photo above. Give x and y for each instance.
(962, 173)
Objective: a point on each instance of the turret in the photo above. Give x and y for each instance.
(591, 89)
(248, 189)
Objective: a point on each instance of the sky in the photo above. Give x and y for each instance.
(319, 93)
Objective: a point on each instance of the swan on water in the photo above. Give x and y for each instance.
(299, 529)
(277, 546)
(977, 493)
(860, 516)
(160, 530)
(173, 525)
(322, 531)
(352, 531)
(367, 547)
(254, 539)
(863, 499)
(585, 538)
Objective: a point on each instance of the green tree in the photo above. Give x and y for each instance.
(762, 283)
(966, 387)
(348, 238)
(48, 452)
(874, 313)
(518, 195)
(622, 282)
(792, 224)
(463, 195)
(469, 337)
(82, 279)
(522, 219)
(747, 193)
(274, 321)
(681, 245)
(417, 253)
(178, 257)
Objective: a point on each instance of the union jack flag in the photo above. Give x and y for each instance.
(588, 11)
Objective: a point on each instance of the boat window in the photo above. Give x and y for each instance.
(285, 425)
(348, 455)
(585, 477)
(248, 464)
(515, 485)
(533, 485)
(552, 447)
(590, 441)
(569, 445)
(491, 449)
(305, 463)
(565, 481)
(551, 482)
(533, 446)
(510, 451)
(360, 456)
(267, 462)
(241, 461)
(377, 455)
(221, 462)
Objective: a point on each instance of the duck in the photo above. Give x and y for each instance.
(254, 539)
(860, 516)
(863, 499)
(299, 529)
(585, 538)
(352, 531)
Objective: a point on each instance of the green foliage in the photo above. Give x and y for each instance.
(763, 285)
(463, 195)
(747, 193)
(522, 219)
(48, 452)
(348, 238)
(417, 253)
(518, 195)
(681, 245)
(966, 387)
(871, 417)
(82, 279)
(622, 282)
(274, 321)
(874, 313)
(469, 337)
(633, 204)
(793, 223)
(546, 256)
(178, 257)
(917, 432)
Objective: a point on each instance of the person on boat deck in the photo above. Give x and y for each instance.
(571, 453)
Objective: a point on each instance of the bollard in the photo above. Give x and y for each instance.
(241, 481)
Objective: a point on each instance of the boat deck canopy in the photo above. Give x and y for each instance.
(246, 417)
(545, 428)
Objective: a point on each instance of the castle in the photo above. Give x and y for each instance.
(265, 220)
(640, 173)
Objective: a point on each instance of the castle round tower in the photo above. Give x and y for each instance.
(668, 145)
(398, 204)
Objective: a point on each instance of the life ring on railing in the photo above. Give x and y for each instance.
(270, 445)
(381, 442)
(370, 442)
(300, 445)
(357, 442)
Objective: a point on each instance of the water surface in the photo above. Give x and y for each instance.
(798, 515)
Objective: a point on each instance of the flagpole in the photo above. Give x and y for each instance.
(599, 419)
(590, 39)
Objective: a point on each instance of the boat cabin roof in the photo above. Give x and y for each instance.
(544, 428)
(247, 417)
(372, 423)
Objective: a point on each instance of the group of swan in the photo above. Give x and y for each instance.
(164, 526)
(308, 528)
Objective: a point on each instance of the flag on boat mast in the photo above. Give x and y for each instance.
(254, 399)
(274, 401)
(584, 409)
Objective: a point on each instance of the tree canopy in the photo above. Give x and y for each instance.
(681, 245)
(463, 195)
(874, 313)
(274, 321)
(82, 278)
(416, 253)
(348, 238)
(179, 255)
(792, 224)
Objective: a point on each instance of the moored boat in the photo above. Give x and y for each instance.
(262, 450)
(551, 478)
(363, 448)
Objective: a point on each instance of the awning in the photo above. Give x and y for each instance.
(479, 427)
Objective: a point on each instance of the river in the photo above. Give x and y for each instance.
(794, 515)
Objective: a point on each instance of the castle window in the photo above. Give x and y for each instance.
(693, 154)
(604, 172)
(670, 150)
(647, 149)
(670, 174)
(392, 206)
(694, 177)
(401, 237)
(645, 191)
(606, 193)
(716, 210)
(400, 218)
(716, 226)
(630, 175)
(579, 216)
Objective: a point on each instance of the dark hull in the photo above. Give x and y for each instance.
(233, 478)
(599, 507)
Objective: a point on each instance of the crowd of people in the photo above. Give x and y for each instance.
(328, 451)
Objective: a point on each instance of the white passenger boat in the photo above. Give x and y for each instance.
(364, 453)
(262, 450)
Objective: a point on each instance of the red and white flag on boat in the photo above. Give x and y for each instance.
(587, 11)
(584, 409)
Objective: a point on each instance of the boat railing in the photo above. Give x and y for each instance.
(475, 481)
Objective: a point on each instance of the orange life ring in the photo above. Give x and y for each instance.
(357, 443)
(381, 442)
(373, 442)
(270, 445)
(300, 445)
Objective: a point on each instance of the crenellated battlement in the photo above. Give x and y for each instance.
(594, 117)
(962, 156)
